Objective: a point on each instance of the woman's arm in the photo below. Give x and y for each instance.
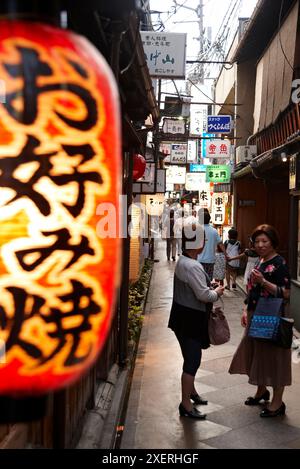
(196, 279)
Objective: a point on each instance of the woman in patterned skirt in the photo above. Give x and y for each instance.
(265, 363)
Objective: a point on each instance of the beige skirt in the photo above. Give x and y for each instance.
(264, 363)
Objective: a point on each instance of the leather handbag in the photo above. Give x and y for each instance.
(218, 327)
(268, 323)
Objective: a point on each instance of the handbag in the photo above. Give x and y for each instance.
(268, 323)
(218, 327)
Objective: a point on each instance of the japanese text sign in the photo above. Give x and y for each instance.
(218, 149)
(165, 53)
(178, 153)
(57, 164)
(218, 173)
(219, 124)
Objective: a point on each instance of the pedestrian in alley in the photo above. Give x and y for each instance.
(232, 249)
(189, 315)
(179, 221)
(212, 239)
(168, 234)
(250, 255)
(265, 363)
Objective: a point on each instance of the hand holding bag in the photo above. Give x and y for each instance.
(218, 327)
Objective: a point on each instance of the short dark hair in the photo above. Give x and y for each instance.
(269, 231)
(232, 233)
(203, 212)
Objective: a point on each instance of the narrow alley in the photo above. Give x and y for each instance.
(152, 416)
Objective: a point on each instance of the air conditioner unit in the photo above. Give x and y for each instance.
(245, 153)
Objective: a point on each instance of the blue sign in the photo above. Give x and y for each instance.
(197, 168)
(219, 124)
(204, 143)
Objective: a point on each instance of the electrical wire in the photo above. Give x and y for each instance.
(279, 35)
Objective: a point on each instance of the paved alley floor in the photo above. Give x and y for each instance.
(152, 420)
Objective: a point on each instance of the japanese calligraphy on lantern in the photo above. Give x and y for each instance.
(218, 209)
(165, 53)
(56, 282)
(218, 149)
(218, 173)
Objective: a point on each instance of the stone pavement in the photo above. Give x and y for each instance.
(152, 419)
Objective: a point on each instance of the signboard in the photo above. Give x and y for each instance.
(204, 196)
(218, 173)
(205, 142)
(197, 168)
(294, 172)
(165, 148)
(192, 151)
(165, 53)
(173, 126)
(218, 149)
(169, 187)
(198, 121)
(178, 153)
(176, 175)
(193, 181)
(219, 124)
(218, 209)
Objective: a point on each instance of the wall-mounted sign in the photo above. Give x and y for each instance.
(176, 175)
(165, 53)
(218, 149)
(173, 126)
(178, 153)
(60, 160)
(218, 209)
(197, 168)
(193, 181)
(205, 196)
(218, 173)
(219, 124)
(192, 156)
(205, 141)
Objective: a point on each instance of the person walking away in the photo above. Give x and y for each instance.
(212, 239)
(265, 363)
(233, 249)
(178, 226)
(219, 267)
(189, 316)
(171, 240)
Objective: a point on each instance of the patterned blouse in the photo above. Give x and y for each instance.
(274, 271)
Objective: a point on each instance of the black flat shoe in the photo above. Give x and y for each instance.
(256, 400)
(273, 413)
(193, 414)
(198, 400)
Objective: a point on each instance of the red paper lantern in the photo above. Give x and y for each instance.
(59, 159)
(139, 166)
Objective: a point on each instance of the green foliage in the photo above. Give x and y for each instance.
(137, 295)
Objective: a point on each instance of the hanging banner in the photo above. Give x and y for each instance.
(218, 173)
(205, 196)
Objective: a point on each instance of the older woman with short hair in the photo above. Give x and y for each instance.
(265, 363)
(189, 314)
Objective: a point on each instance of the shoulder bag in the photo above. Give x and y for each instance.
(268, 323)
(218, 327)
